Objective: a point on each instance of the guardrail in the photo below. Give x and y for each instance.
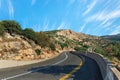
(107, 70)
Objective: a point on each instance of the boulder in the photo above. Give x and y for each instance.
(17, 57)
(28, 51)
(1, 39)
(42, 56)
(7, 36)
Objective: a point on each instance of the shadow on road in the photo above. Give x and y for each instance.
(89, 71)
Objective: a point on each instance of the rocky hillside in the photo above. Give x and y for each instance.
(70, 40)
(112, 37)
(18, 47)
(73, 40)
(26, 44)
(19, 44)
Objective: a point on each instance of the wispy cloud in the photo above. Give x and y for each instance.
(11, 9)
(108, 24)
(116, 31)
(71, 2)
(102, 16)
(62, 25)
(90, 7)
(33, 2)
(82, 1)
(37, 27)
(0, 3)
(25, 23)
(7, 7)
(46, 24)
(82, 27)
(53, 26)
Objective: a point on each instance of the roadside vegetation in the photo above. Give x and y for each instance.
(108, 48)
(38, 51)
(40, 38)
(50, 39)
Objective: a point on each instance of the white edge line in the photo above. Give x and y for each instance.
(66, 56)
(22, 74)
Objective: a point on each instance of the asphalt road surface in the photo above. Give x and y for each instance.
(66, 66)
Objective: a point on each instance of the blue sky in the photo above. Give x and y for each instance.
(95, 17)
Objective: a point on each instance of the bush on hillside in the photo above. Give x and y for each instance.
(11, 26)
(52, 47)
(29, 33)
(86, 46)
(1, 30)
(63, 45)
(38, 51)
(42, 39)
(81, 49)
(100, 50)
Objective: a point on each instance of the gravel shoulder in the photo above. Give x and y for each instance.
(13, 63)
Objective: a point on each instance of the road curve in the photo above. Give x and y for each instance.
(66, 66)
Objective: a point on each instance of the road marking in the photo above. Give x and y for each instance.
(68, 75)
(22, 74)
(66, 56)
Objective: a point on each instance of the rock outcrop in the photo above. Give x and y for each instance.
(72, 35)
(17, 47)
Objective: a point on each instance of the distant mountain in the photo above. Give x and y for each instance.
(112, 37)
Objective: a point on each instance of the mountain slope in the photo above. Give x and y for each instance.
(26, 44)
(70, 40)
(18, 47)
(112, 37)
(23, 44)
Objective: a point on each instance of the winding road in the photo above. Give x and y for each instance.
(67, 66)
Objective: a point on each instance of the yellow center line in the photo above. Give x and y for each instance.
(68, 75)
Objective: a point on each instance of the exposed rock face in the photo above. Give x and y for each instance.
(26, 54)
(11, 45)
(72, 35)
(7, 36)
(1, 39)
(17, 48)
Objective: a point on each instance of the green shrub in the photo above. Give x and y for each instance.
(52, 47)
(63, 45)
(77, 48)
(42, 39)
(29, 33)
(86, 46)
(1, 30)
(11, 26)
(38, 51)
(100, 50)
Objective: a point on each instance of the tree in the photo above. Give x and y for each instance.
(38, 51)
(63, 45)
(42, 39)
(100, 50)
(29, 33)
(52, 46)
(11, 26)
(1, 30)
(77, 48)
